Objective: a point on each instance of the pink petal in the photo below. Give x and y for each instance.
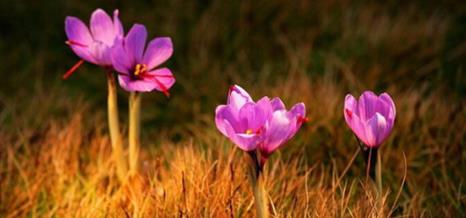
(134, 42)
(163, 79)
(367, 105)
(102, 27)
(120, 60)
(117, 25)
(79, 38)
(255, 115)
(277, 132)
(277, 104)
(132, 85)
(375, 130)
(157, 52)
(238, 97)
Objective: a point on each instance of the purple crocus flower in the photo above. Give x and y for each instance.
(93, 45)
(371, 117)
(264, 125)
(136, 66)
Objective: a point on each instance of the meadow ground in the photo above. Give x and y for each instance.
(55, 149)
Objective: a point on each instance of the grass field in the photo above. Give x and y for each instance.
(55, 148)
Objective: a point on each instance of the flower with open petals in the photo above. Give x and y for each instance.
(137, 66)
(93, 44)
(371, 117)
(264, 125)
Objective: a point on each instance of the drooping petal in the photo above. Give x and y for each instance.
(134, 42)
(117, 25)
(157, 52)
(247, 142)
(277, 104)
(375, 130)
(79, 38)
(102, 27)
(367, 105)
(132, 85)
(120, 60)
(163, 79)
(238, 97)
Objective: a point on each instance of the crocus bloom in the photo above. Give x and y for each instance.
(371, 117)
(136, 66)
(93, 45)
(264, 125)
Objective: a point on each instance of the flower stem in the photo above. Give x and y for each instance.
(134, 130)
(114, 129)
(257, 182)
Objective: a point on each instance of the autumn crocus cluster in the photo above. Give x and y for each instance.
(258, 128)
(105, 44)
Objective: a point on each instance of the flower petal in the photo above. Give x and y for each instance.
(102, 27)
(277, 104)
(138, 85)
(255, 115)
(277, 132)
(134, 42)
(376, 130)
(157, 52)
(238, 97)
(120, 59)
(163, 79)
(350, 108)
(367, 105)
(79, 37)
(117, 25)
(391, 114)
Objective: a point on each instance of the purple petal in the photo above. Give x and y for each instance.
(238, 97)
(376, 130)
(223, 118)
(391, 114)
(277, 132)
(120, 60)
(134, 42)
(163, 79)
(132, 85)
(157, 52)
(117, 25)
(102, 27)
(79, 38)
(367, 105)
(225, 113)
(255, 115)
(277, 104)
(247, 142)
(351, 107)
(358, 127)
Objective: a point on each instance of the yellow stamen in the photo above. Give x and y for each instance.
(140, 69)
(249, 131)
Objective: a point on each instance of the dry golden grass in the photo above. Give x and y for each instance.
(66, 169)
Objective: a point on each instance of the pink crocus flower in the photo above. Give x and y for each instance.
(137, 66)
(93, 44)
(264, 125)
(371, 117)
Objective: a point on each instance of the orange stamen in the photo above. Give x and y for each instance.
(71, 71)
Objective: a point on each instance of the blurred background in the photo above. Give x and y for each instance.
(311, 51)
